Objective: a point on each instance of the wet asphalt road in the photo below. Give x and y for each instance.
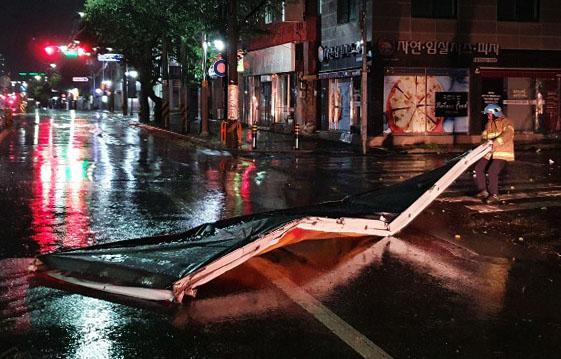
(71, 180)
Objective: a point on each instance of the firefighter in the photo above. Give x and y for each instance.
(500, 131)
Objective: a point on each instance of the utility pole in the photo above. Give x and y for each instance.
(165, 84)
(233, 89)
(185, 88)
(364, 82)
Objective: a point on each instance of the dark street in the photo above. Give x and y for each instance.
(463, 280)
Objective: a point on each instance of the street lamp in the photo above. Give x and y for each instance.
(219, 45)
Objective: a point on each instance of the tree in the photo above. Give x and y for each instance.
(139, 29)
(230, 19)
(40, 89)
(134, 28)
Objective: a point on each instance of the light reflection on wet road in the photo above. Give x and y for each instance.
(77, 181)
(70, 180)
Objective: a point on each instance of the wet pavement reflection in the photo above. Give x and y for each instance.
(74, 179)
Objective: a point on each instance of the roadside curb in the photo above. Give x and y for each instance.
(524, 146)
(182, 136)
(201, 142)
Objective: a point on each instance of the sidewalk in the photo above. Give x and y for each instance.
(267, 141)
(276, 142)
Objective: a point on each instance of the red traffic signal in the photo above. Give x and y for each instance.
(50, 50)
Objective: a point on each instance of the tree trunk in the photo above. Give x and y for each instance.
(144, 111)
(145, 79)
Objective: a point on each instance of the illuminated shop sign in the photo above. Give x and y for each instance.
(339, 51)
(413, 47)
(449, 104)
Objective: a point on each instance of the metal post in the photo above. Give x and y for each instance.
(254, 136)
(165, 85)
(364, 82)
(93, 89)
(124, 90)
(297, 137)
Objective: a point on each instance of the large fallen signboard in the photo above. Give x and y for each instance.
(168, 267)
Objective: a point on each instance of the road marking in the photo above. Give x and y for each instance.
(511, 196)
(462, 186)
(356, 340)
(510, 207)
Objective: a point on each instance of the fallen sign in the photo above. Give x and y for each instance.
(171, 266)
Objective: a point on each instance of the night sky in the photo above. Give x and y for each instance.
(25, 25)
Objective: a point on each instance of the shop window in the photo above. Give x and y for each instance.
(346, 11)
(426, 100)
(439, 9)
(518, 10)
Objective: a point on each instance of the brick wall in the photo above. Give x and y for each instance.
(333, 34)
(477, 22)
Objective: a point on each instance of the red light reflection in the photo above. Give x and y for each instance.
(59, 210)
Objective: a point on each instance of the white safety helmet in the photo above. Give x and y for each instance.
(494, 109)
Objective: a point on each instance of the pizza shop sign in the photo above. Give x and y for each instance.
(413, 47)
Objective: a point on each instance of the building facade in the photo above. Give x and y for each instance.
(278, 68)
(340, 56)
(434, 65)
(438, 63)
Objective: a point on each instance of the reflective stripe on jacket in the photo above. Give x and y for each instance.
(501, 132)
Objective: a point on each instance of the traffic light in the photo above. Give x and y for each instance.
(50, 50)
(71, 50)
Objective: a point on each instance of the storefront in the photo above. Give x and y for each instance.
(340, 89)
(440, 88)
(427, 85)
(340, 99)
(270, 86)
(529, 97)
